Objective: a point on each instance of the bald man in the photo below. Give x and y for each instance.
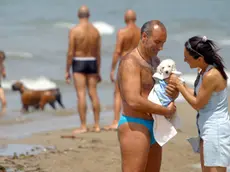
(139, 150)
(127, 39)
(85, 59)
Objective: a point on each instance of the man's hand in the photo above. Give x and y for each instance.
(112, 76)
(67, 77)
(4, 74)
(172, 109)
(99, 77)
(172, 91)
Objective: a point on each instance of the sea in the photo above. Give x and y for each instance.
(34, 35)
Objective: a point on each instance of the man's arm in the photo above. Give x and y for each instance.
(3, 71)
(99, 54)
(71, 48)
(116, 53)
(130, 88)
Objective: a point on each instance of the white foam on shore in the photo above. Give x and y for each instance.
(103, 27)
(64, 25)
(182, 37)
(224, 42)
(40, 83)
(16, 54)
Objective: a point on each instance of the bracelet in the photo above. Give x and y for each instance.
(182, 81)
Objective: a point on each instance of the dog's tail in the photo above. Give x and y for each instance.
(59, 98)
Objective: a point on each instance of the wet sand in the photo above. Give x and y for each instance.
(100, 151)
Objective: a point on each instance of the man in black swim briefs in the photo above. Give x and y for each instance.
(84, 57)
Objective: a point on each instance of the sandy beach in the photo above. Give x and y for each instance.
(100, 151)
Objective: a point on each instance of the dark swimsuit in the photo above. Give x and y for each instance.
(85, 65)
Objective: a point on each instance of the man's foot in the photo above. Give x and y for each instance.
(79, 131)
(3, 111)
(111, 127)
(24, 111)
(74, 133)
(96, 129)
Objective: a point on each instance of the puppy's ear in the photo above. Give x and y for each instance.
(159, 69)
(174, 67)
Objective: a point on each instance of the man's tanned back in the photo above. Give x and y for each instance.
(87, 38)
(131, 38)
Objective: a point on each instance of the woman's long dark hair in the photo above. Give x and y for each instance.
(201, 46)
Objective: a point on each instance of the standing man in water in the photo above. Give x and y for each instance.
(127, 39)
(85, 58)
(139, 149)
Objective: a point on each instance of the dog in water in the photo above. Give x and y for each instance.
(37, 98)
(164, 129)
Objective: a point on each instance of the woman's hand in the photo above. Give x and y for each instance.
(172, 90)
(174, 80)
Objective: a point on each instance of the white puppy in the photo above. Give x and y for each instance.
(165, 68)
(164, 129)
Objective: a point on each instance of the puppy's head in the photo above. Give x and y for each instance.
(17, 86)
(166, 67)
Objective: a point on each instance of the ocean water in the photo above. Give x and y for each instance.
(34, 35)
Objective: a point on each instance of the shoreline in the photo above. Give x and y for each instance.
(90, 151)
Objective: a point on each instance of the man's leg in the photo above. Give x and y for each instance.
(134, 144)
(117, 108)
(154, 158)
(80, 86)
(3, 100)
(92, 81)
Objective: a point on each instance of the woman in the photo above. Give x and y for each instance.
(2, 75)
(210, 99)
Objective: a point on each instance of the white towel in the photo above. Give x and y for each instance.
(163, 129)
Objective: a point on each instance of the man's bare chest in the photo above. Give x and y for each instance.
(147, 81)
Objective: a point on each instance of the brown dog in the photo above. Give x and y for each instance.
(37, 99)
